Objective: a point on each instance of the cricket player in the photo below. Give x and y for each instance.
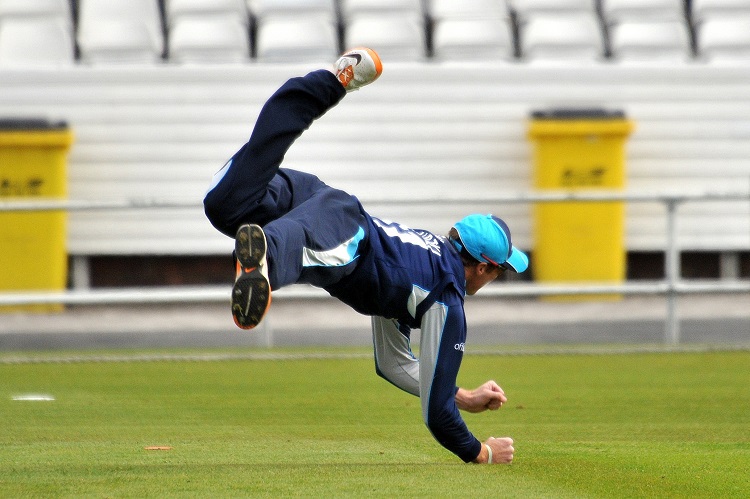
(290, 227)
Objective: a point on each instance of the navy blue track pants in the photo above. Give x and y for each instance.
(313, 230)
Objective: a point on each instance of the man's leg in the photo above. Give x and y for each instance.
(245, 190)
(256, 191)
(317, 243)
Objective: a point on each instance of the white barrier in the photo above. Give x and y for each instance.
(38, 204)
(672, 286)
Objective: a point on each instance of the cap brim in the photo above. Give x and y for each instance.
(517, 260)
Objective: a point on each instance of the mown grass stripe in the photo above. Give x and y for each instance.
(276, 356)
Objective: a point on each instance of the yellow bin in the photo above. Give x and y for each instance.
(579, 150)
(33, 165)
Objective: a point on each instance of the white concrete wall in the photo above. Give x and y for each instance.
(162, 131)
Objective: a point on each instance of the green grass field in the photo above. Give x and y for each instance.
(627, 425)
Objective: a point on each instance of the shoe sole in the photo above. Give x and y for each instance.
(250, 246)
(251, 294)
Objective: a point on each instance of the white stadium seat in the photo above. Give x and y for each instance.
(650, 41)
(325, 9)
(724, 39)
(561, 38)
(477, 9)
(119, 42)
(36, 8)
(174, 9)
(209, 40)
(35, 42)
(529, 8)
(120, 31)
(472, 40)
(642, 10)
(296, 39)
(396, 37)
(708, 9)
(354, 8)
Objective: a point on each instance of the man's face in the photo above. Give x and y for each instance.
(479, 275)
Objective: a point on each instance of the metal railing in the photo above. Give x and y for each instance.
(671, 286)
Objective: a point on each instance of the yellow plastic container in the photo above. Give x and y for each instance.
(579, 241)
(33, 165)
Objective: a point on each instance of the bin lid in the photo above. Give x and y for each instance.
(25, 124)
(34, 133)
(572, 122)
(578, 114)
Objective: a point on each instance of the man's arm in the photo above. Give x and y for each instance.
(488, 396)
(443, 333)
(394, 360)
(491, 397)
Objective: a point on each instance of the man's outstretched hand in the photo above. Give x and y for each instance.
(488, 396)
(501, 451)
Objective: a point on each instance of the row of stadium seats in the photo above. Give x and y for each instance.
(213, 31)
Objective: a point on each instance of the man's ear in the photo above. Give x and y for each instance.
(483, 267)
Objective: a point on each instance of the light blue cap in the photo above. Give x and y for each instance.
(487, 238)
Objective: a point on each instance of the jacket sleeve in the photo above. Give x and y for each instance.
(394, 360)
(441, 351)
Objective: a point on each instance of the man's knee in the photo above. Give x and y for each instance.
(217, 215)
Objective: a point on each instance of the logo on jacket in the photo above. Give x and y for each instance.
(421, 238)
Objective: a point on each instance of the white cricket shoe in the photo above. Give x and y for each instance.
(357, 68)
